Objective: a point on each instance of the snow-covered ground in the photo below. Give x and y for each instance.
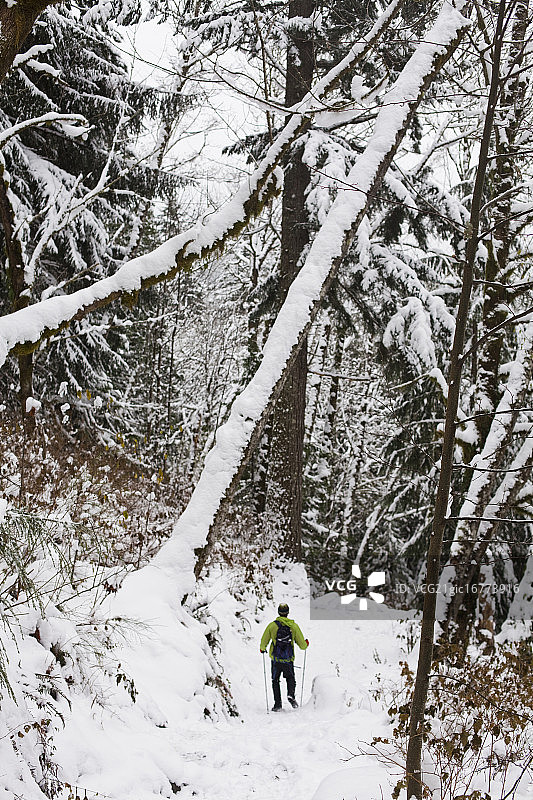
(176, 739)
(294, 753)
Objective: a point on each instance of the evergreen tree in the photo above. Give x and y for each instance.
(411, 275)
(74, 190)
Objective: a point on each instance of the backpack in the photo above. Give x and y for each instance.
(283, 647)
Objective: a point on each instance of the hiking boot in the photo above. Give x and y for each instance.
(293, 702)
(276, 708)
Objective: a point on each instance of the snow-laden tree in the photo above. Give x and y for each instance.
(280, 48)
(75, 185)
(406, 279)
(498, 472)
(495, 458)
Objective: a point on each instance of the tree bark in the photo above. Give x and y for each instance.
(18, 294)
(284, 492)
(16, 23)
(425, 657)
(504, 175)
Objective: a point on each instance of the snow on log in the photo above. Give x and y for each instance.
(22, 331)
(174, 563)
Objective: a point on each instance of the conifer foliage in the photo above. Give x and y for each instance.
(75, 184)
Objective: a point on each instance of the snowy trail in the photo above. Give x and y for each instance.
(271, 756)
(174, 739)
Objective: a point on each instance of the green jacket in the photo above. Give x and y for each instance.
(271, 631)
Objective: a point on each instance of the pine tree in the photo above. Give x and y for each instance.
(74, 190)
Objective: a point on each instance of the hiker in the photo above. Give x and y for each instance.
(283, 633)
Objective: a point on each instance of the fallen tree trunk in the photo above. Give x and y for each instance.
(23, 331)
(238, 437)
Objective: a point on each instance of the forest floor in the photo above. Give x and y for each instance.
(290, 754)
(175, 738)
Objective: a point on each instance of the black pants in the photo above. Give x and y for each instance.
(285, 668)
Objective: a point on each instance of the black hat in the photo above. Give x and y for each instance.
(283, 610)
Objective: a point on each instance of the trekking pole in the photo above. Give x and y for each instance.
(265, 674)
(303, 678)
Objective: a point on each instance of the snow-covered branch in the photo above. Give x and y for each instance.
(70, 208)
(498, 437)
(511, 483)
(47, 119)
(237, 437)
(482, 501)
(24, 330)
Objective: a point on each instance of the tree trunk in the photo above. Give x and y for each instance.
(503, 176)
(16, 21)
(18, 291)
(495, 433)
(26, 388)
(284, 493)
(418, 706)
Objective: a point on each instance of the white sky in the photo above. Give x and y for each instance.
(217, 122)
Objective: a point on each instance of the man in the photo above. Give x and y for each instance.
(282, 633)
